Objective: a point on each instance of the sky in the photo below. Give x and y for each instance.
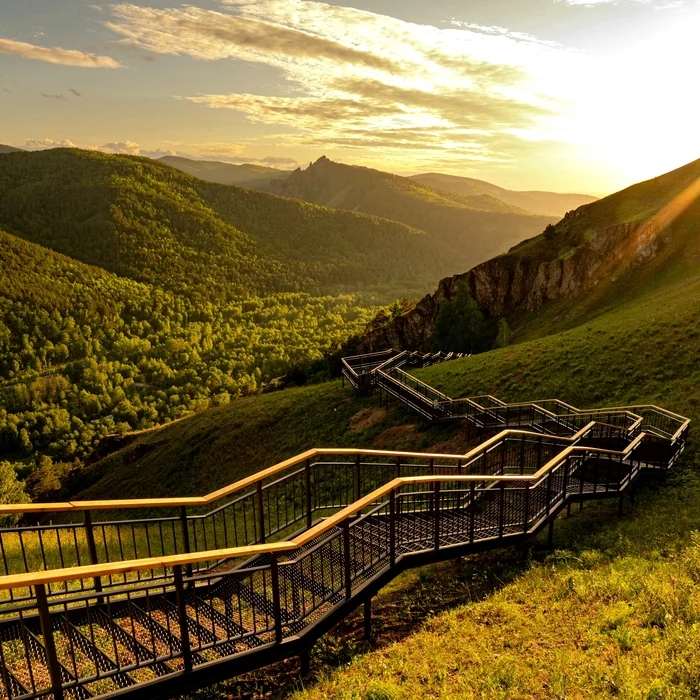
(564, 95)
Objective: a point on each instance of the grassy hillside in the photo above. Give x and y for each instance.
(646, 236)
(545, 203)
(474, 227)
(244, 175)
(144, 220)
(8, 149)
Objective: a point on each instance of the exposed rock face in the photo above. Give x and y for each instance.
(521, 281)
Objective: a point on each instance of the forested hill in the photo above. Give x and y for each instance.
(8, 149)
(474, 227)
(85, 353)
(144, 220)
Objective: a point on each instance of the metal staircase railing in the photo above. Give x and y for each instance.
(383, 370)
(190, 590)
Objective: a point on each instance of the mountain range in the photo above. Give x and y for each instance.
(545, 203)
(474, 228)
(144, 220)
(244, 175)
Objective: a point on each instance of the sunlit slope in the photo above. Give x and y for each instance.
(144, 220)
(640, 240)
(648, 352)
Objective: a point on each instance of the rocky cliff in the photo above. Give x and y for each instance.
(565, 261)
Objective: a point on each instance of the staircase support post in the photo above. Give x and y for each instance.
(392, 527)
(358, 490)
(621, 505)
(550, 535)
(49, 642)
(368, 618)
(182, 617)
(304, 663)
(185, 537)
(92, 549)
(276, 602)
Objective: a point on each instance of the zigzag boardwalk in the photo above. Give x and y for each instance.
(188, 591)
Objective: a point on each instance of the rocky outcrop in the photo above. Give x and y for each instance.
(527, 277)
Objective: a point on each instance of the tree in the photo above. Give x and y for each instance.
(11, 491)
(460, 326)
(504, 334)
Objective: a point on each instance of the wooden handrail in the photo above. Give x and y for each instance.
(242, 484)
(8, 509)
(97, 570)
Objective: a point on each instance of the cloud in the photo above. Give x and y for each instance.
(65, 57)
(75, 92)
(123, 147)
(210, 35)
(54, 97)
(275, 160)
(348, 74)
(41, 144)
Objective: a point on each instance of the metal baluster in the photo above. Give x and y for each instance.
(182, 617)
(49, 641)
(392, 527)
(346, 559)
(501, 508)
(307, 485)
(276, 602)
(436, 511)
(92, 548)
(526, 521)
(261, 513)
(185, 536)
